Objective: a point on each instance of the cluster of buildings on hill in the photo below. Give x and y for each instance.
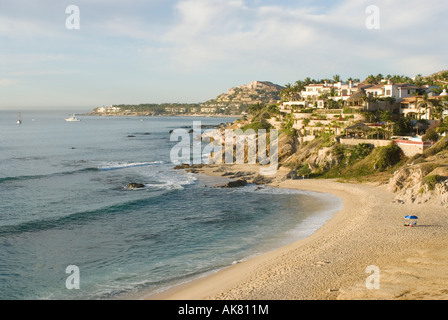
(170, 110)
(235, 102)
(338, 108)
(399, 98)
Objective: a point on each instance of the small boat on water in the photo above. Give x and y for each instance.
(19, 119)
(72, 119)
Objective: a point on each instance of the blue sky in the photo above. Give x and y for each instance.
(157, 51)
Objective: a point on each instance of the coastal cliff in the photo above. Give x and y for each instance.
(252, 93)
(423, 178)
(418, 180)
(235, 102)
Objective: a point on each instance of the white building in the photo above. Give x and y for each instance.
(291, 106)
(110, 109)
(208, 109)
(393, 90)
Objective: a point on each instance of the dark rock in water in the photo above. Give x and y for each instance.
(131, 136)
(292, 175)
(209, 126)
(147, 133)
(182, 166)
(261, 180)
(234, 184)
(240, 174)
(134, 185)
(237, 183)
(188, 166)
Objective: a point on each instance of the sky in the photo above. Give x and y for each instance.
(155, 51)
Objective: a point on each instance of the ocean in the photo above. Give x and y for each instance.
(64, 203)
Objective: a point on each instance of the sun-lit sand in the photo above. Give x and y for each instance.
(332, 263)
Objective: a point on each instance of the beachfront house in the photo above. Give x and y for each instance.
(421, 107)
(110, 109)
(208, 109)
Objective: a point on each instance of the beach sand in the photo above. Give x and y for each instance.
(333, 262)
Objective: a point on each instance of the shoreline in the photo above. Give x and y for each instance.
(331, 263)
(161, 115)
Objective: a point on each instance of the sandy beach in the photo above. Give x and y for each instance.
(332, 263)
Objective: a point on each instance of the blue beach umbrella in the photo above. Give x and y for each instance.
(410, 219)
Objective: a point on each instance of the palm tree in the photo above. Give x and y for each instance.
(255, 108)
(433, 105)
(286, 92)
(371, 79)
(419, 81)
(379, 77)
(306, 121)
(337, 78)
(422, 104)
(437, 108)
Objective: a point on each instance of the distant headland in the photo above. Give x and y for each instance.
(236, 102)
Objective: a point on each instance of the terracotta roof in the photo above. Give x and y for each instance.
(377, 86)
(359, 126)
(410, 98)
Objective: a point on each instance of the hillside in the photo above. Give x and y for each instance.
(234, 102)
(255, 92)
(420, 179)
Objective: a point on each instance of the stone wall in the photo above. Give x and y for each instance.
(411, 148)
(374, 142)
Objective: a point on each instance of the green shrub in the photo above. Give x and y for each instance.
(439, 146)
(256, 126)
(304, 171)
(387, 157)
(291, 132)
(431, 135)
(432, 180)
(361, 151)
(347, 110)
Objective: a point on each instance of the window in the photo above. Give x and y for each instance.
(387, 92)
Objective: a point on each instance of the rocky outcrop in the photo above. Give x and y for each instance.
(315, 156)
(259, 179)
(287, 146)
(252, 93)
(409, 185)
(134, 185)
(233, 184)
(323, 158)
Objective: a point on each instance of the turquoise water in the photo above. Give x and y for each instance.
(64, 202)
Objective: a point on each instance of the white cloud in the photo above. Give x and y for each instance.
(210, 32)
(188, 43)
(7, 82)
(26, 28)
(213, 31)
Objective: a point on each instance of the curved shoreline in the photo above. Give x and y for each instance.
(332, 262)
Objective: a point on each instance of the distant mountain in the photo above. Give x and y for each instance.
(252, 93)
(234, 102)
